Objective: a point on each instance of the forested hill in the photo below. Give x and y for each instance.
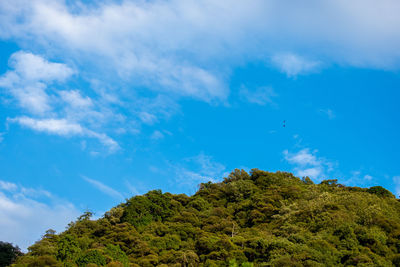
(256, 219)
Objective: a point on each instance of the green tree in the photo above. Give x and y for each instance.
(380, 191)
(261, 219)
(8, 253)
(91, 256)
(68, 248)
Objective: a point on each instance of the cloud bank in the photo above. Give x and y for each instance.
(139, 58)
(150, 37)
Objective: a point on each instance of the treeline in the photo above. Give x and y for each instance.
(256, 219)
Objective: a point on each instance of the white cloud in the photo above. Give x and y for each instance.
(29, 80)
(396, 180)
(25, 218)
(60, 127)
(35, 193)
(207, 165)
(198, 169)
(125, 43)
(303, 157)
(75, 99)
(306, 163)
(260, 96)
(104, 188)
(358, 178)
(28, 83)
(83, 109)
(147, 118)
(188, 48)
(188, 177)
(314, 172)
(105, 140)
(154, 109)
(30, 67)
(157, 135)
(294, 65)
(63, 127)
(179, 48)
(145, 38)
(188, 81)
(33, 98)
(368, 177)
(7, 186)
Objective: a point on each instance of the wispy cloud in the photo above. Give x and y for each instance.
(198, 169)
(7, 186)
(75, 99)
(293, 64)
(133, 191)
(307, 163)
(157, 135)
(104, 188)
(26, 213)
(260, 96)
(147, 118)
(359, 178)
(368, 177)
(63, 127)
(52, 126)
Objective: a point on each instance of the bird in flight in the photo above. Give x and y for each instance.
(284, 123)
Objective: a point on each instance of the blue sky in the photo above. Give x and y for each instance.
(100, 101)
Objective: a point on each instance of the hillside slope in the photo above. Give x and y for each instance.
(256, 219)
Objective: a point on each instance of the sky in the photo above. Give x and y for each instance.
(104, 100)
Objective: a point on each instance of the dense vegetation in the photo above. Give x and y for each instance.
(256, 219)
(8, 253)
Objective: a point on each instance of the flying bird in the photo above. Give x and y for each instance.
(284, 123)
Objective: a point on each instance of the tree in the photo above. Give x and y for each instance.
(92, 256)
(68, 248)
(380, 191)
(265, 219)
(331, 182)
(46, 260)
(8, 253)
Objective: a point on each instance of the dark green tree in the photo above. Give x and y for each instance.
(8, 253)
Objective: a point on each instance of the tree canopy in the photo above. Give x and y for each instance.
(249, 219)
(8, 253)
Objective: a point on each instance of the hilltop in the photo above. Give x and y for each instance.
(256, 219)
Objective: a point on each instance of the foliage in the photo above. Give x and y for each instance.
(68, 248)
(91, 256)
(249, 219)
(380, 191)
(8, 253)
(116, 254)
